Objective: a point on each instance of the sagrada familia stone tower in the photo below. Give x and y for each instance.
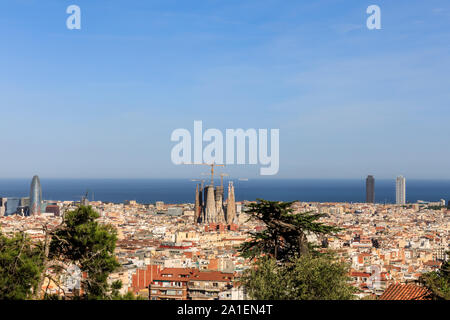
(231, 204)
(211, 209)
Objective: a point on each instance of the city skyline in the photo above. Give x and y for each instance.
(101, 102)
(153, 190)
(171, 243)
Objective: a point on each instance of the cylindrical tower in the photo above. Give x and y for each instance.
(35, 196)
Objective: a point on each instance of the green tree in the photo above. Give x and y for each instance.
(287, 266)
(21, 264)
(265, 280)
(304, 278)
(116, 295)
(82, 241)
(438, 282)
(285, 235)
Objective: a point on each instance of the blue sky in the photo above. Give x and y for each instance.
(101, 102)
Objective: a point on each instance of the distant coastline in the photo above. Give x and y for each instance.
(182, 190)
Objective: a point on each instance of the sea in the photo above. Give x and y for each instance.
(183, 190)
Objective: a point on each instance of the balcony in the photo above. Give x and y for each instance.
(168, 295)
(205, 288)
(203, 296)
(159, 285)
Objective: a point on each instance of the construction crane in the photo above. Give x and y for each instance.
(221, 178)
(199, 180)
(212, 165)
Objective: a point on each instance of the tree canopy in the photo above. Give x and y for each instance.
(438, 282)
(285, 233)
(80, 241)
(287, 266)
(20, 266)
(90, 246)
(304, 278)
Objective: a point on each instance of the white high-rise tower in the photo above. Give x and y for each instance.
(400, 190)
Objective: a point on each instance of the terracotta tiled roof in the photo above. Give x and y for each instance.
(212, 276)
(432, 263)
(359, 274)
(186, 274)
(405, 292)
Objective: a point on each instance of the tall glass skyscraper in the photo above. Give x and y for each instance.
(400, 190)
(35, 196)
(370, 189)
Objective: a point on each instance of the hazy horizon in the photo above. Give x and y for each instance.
(182, 190)
(216, 179)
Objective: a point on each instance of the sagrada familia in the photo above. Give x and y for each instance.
(209, 205)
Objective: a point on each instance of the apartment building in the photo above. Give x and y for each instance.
(189, 284)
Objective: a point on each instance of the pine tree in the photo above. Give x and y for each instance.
(21, 264)
(285, 235)
(89, 245)
(286, 266)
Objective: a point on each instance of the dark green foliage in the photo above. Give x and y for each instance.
(287, 267)
(303, 278)
(115, 294)
(127, 296)
(265, 281)
(79, 240)
(21, 264)
(89, 245)
(285, 234)
(438, 282)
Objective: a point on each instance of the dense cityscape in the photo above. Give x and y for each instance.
(224, 159)
(190, 251)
